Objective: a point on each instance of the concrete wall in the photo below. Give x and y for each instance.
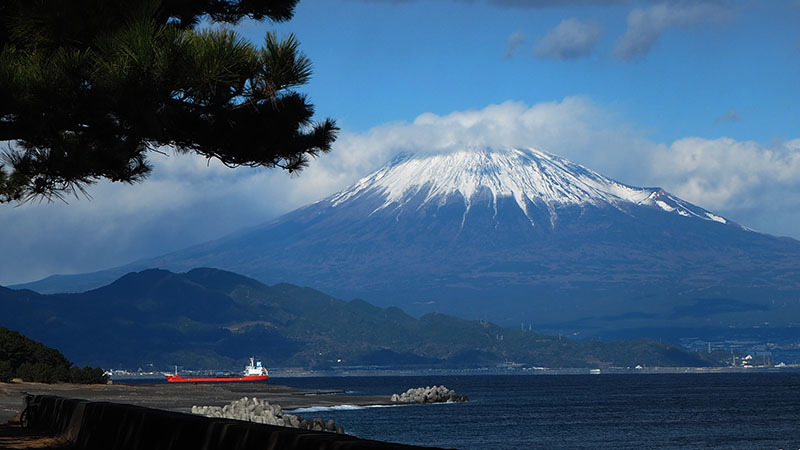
(103, 426)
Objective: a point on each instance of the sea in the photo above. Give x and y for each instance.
(606, 411)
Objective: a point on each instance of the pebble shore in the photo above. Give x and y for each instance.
(182, 397)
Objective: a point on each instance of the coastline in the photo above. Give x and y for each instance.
(296, 372)
(389, 372)
(181, 397)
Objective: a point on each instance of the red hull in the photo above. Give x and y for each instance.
(180, 379)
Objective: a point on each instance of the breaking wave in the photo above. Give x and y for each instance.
(313, 409)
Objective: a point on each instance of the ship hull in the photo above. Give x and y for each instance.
(181, 379)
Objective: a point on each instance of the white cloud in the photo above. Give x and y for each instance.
(516, 39)
(730, 175)
(187, 200)
(646, 25)
(190, 200)
(571, 39)
(575, 128)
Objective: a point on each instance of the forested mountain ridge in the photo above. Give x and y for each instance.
(211, 318)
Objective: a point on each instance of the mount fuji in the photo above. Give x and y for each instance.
(514, 236)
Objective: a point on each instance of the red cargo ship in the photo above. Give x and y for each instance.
(253, 372)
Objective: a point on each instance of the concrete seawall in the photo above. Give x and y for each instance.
(103, 425)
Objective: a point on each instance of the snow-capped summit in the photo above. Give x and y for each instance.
(533, 178)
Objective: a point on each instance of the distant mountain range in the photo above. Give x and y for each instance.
(209, 318)
(514, 236)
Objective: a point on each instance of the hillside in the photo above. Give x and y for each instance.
(22, 357)
(212, 318)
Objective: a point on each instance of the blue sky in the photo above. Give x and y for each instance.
(380, 61)
(698, 97)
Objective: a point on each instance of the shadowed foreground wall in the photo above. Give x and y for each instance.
(102, 426)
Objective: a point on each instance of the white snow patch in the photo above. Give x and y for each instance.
(716, 218)
(664, 206)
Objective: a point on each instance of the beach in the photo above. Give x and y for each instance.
(181, 397)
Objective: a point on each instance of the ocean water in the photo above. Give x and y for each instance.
(654, 411)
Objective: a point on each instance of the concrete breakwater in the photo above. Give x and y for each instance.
(428, 394)
(102, 425)
(260, 411)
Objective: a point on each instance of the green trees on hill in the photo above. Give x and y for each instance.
(89, 87)
(22, 357)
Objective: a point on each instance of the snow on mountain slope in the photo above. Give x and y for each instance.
(527, 175)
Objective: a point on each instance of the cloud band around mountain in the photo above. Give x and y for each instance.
(190, 200)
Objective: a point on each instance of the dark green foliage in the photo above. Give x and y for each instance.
(21, 357)
(42, 372)
(87, 375)
(89, 87)
(6, 371)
